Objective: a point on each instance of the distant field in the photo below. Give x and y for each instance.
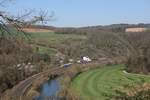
(45, 40)
(138, 29)
(51, 37)
(96, 84)
(45, 50)
(36, 30)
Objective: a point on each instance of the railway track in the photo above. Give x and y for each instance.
(17, 92)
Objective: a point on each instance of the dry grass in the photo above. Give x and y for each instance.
(138, 29)
(133, 91)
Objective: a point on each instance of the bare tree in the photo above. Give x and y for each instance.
(14, 50)
(31, 17)
(134, 47)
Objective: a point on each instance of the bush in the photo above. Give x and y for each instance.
(14, 51)
(141, 92)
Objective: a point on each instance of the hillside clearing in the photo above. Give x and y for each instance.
(53, 38)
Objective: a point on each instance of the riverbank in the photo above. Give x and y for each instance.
(70, 71)
(66, 92)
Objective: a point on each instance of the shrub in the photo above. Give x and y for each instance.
(141, 92)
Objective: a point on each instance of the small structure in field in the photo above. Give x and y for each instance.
(87, 59)
(84, 59)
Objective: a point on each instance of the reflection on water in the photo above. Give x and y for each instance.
(49, 90)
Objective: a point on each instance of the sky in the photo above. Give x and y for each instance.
(77, 13)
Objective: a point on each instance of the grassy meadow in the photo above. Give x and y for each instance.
(47, 42)
(54, 38)
(100, 84)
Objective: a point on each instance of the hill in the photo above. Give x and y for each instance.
(84, 30)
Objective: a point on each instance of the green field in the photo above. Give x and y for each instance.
(96, 84)
(47, 40)
(45, 50)
(54, 38)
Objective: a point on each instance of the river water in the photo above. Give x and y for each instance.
(49, 90)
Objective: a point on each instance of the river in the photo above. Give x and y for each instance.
(49, 90)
